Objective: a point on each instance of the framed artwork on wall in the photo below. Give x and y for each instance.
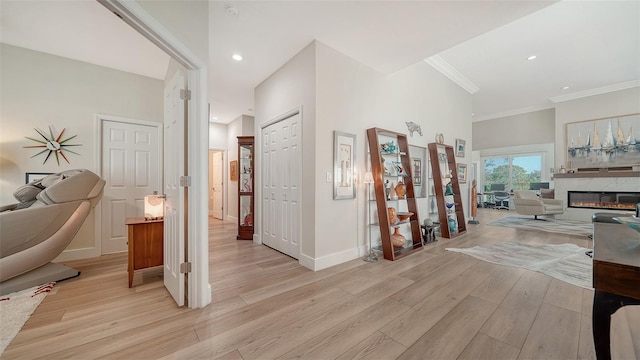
(233, 170)
(344, 185)
(606, 143)
(33, 176)
(460, 147)
(462, 173)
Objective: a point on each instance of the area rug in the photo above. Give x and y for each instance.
(566, 262)
(15, 310)
(569, 227)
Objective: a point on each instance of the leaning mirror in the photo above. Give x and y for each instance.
(419, 164)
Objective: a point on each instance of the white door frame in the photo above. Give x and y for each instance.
(199, 289)
(99, 120)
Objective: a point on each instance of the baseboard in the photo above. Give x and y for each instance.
(329, 260)
(77, 254)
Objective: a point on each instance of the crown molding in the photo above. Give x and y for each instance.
(513, 112)
(596, 91)
(450, 72)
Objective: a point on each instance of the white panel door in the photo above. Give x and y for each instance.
(131, 169)
(269, 189)
(174, 167)
(216, 168)
(282, 174)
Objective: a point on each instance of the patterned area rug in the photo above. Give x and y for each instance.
(570, 227)
(15, 310)
(566, 262)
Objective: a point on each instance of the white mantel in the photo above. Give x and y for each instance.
(563, 183)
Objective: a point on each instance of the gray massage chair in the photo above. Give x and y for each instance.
(36, 230)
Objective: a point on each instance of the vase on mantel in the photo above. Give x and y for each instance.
(397, 239)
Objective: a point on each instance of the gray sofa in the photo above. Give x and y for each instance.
(36, 230)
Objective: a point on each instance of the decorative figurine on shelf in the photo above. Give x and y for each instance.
(393, 195)
(474, 203)
(448, 189)
(389, 147)
(453, 224)
(247, 186)
(401, 190)
(387, 189)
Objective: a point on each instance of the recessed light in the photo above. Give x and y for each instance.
(564, 87)
(236, 57)
(215, 118)
(532, 57)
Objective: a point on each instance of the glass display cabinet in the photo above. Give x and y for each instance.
(245, 187)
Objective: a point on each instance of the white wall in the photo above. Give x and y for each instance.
(536, 127)
(612, 104)
(188, 20)
(290, 87)
(348, 96)
(218, 136)
(38, 90)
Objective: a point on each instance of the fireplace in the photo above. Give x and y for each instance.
(612, 200)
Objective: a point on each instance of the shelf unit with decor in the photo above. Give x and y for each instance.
(245, 187)
(393, 165)
(439, 168)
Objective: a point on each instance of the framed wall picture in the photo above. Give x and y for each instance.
(462, 173)
(344, 185)
(33, 176)
(460, 147)
(607, 143)
(233, 170)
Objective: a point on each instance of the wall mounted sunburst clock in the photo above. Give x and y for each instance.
(53, 145)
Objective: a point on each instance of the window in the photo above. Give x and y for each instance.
(515, 172)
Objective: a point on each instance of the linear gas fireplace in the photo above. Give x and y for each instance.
(613, 200)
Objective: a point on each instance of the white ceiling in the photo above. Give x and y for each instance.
(587, 45)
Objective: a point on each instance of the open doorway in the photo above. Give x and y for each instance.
(216, 184)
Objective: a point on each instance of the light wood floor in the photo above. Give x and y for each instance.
(433, 304)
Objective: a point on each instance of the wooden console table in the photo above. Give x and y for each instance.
(616, 277)
(146, 248)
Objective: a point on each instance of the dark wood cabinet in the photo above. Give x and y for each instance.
(245, 187)
(393, 166)
(444, 166)
(146, 244)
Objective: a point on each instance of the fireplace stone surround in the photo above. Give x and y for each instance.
(613, 182)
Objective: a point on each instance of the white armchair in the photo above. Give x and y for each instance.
(528, 203)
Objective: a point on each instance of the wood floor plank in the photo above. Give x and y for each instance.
(548, 337)
(483, 347)
(451, 335)
(280, 342)
(411, 325)
(586, 350)
(512, 320)
(564, 295)
(498, 285)
(337, 340)
(376, 346)
(266, 306)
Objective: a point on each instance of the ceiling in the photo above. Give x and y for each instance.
(590, 46)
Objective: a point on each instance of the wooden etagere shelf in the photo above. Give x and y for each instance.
(411, 227)
(434, 150)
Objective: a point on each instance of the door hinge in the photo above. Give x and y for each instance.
(185, 181)
(185, 268)
(185, 94)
